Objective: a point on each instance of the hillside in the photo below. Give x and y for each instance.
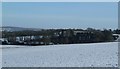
(69, 55)
(12, 29)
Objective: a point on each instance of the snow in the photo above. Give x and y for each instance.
(68, 55)
(1, 57)
(11, 46)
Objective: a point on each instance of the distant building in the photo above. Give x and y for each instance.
(84, 36)
(116, 37)
(3, 41)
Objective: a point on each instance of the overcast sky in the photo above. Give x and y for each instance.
(60, 14)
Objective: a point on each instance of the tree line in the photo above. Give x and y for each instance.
(61, 36)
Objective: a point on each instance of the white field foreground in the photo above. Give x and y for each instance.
(0, 57)
(68, 55)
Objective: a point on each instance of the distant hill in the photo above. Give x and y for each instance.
(10, 29)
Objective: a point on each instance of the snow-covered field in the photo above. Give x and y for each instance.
(69, 55)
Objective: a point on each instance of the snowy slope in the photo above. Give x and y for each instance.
(0, 57)
(12, 29)
(70, 55)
